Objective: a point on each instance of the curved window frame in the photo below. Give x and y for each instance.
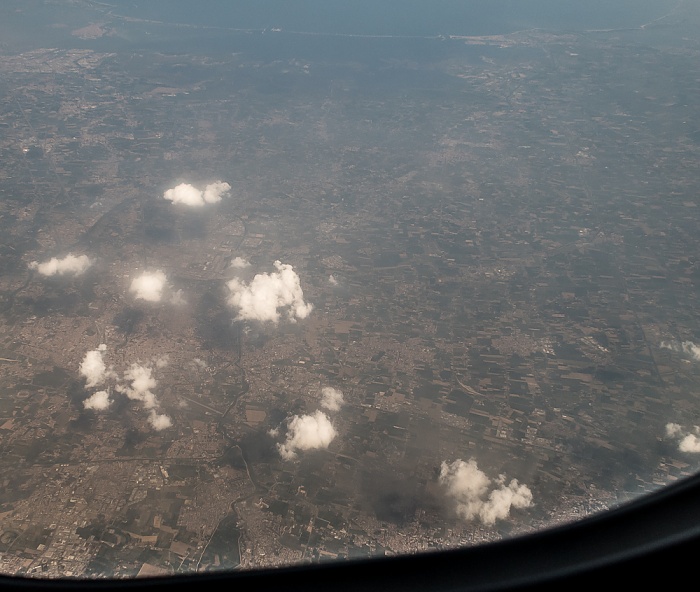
(653, 537)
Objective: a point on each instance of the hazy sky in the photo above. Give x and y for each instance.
(405, 17)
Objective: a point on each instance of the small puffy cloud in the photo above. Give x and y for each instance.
(185, 194)
(142, 383)
(162, 361)
(477, 496)
(269, 293)
(239, 263)
(332, 399)
(690, 443)
(99, 401)
(214, 192)
(683, 347)
(673, 430)
(688, 440)
(307, 432)
(188, 195)
(140, 388)
(332, 281)
(159, 421)
(93, 367)
(137, 384)
(692, 350)
(149, 286)
(95, 372)
(69, 265)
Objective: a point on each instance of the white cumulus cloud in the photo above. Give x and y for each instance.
(684, 347)
(69, 265)
(477, 496)
(240, 263)
(690, 443)
(214, 192)
(332, 281)
(159, 421)
(673, 430)
(688, 440)
(332, 399)
(137, 384)
(141, 384)
(306, 432)
(268, 293)
(149, 286)
(189, 195)
(93, 367)
(99, 401)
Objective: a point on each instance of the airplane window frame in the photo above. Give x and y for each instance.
(644, 540)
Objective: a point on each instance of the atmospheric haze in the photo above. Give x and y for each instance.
(278, 286)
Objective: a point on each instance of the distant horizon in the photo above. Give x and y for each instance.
(405, 17)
